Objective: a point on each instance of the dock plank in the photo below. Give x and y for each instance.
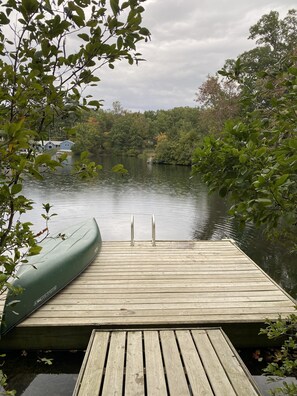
(114, 373)
(232, 367)
(176, 379)
(134, 384)
(93, 371)
(193, 366)
(155, 376)
(212, 365)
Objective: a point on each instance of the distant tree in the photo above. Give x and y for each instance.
(117, 108)
(129, 133)
(92, 132)
(177, 131)
(219, 100)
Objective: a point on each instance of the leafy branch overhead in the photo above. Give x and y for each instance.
(51, 50)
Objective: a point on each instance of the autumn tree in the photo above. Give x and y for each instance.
(218, 99)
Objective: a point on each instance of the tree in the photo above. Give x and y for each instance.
(219, 100)
(275, 39)
(254, 162)
(50, 50)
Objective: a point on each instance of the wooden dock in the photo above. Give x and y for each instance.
(175, 283)
(163, 362)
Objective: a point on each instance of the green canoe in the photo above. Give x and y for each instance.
(62, 259)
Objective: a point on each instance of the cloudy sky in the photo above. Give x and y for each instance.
(190, 39)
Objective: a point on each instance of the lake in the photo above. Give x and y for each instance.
(183, 210)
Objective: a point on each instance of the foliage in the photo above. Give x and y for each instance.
(285, 359)
(254, 161)
(3, 385)
(129, 132)
(86, 168)
(120, 169)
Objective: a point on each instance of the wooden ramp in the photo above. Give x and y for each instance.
(175, 283)
(163, 362)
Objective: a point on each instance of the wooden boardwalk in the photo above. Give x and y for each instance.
(164, 362)
(175, 283)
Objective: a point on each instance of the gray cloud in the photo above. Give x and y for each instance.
(190, 39)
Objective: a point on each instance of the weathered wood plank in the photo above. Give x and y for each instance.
(217, 376)
(155, 376)
(124, 312)
(126, 299)
(114, 375)
(203, 306)
(195, 371)
(171, 288)
(134, 383)
(174, 369)
(231, 364)
(149, 320)
(92, 375)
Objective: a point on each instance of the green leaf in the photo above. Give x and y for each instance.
(114, 4)
(36, 174)
(3, 19)
(84, 36)
(120, 42)
(144, 32)
(95, 103)
(30, 6)
(16, 188)
(281, 180)
(42, 159)
(264, 201)
(34, 250)
(78, 20)
(243, 158)
(84, 155)
(119, 168)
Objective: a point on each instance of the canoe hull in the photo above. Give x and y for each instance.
(61, 260)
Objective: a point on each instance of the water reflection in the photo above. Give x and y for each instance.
(29, 376)
(182, 207)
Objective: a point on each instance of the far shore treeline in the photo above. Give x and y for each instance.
(164, 136)
(167, 136)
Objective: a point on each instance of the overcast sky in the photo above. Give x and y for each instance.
(190, 39)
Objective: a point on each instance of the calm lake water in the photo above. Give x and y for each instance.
(183, 209)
